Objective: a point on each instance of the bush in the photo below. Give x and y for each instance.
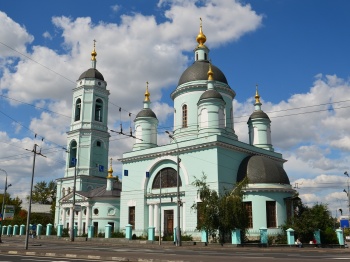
(329, 236)
(186, 238)
(118, 235)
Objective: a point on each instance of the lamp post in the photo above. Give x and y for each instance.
(347, 193)
(3, 202)
(178, 231)
(73, 211)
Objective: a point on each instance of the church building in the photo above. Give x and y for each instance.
(203, 141)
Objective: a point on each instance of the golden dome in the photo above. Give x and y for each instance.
(210, 73)
(147, 94)
(201, 38)
(93, 53)
(110, 170)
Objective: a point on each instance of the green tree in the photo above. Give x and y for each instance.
(44, 193)
(221, 213)
(308, 219)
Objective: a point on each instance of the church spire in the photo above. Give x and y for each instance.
(147, 101)
(93, 55)
(201, 38)
(110, 170)
(147, 94)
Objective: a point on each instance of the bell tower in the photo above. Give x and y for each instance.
(88, 137)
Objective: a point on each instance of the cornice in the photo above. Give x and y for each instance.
(196, 147)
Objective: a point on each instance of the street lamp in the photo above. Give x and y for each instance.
(347, 193)
(178, 231)
(3, 202)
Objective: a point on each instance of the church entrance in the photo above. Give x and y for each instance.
(168, 222)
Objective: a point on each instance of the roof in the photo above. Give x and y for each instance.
(260, 169)
(199, 71)
(102, 192)
(258, 114)
(92, 73)
(211, 94)
(146, 112)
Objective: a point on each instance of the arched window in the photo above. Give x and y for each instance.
(72, 154)
(168, 176)
(184, 116)
(98, 110)
(77, 109)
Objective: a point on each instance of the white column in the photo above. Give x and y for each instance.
(156, 217)
(80, 231)
(150, 216)
(64, 213)
(87, 218)
(71, 222)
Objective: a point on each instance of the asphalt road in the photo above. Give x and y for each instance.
(60, 250)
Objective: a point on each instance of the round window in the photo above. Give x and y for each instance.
(95, 211)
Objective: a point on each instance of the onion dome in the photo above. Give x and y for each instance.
(260, 169)
(198, 71)
(211, 93)
(146, 111)
(258, 113)
(92, 72)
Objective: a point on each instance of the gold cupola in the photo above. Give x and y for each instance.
(210, 73)
(147, 94)
(201, 38)
(110, 170)
(257, 96)
(93, 52)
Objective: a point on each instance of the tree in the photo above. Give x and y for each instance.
(220, 212)
(44, 193)
(308, 219)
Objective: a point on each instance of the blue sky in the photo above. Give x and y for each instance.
(297, 51)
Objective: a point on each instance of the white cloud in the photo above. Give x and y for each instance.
(47, 35)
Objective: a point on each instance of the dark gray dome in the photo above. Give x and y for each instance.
(92, 73)
(199, 71)
(260, 169)
(211, 94)
(258, 114)
(146, 112)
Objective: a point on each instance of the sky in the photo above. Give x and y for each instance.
(297, 52)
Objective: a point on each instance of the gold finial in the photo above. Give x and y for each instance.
(257, 97)
(93, 53)
(147, 94)
(201, 38)
(210, 73)
(110, 170)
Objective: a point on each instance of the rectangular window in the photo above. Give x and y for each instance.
(132, 217)
(289, 208)
(249, 210)
(271, 214)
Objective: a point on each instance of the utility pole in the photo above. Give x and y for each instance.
(348, 193)
(179, 203)
(31, 192)
(3, 203)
